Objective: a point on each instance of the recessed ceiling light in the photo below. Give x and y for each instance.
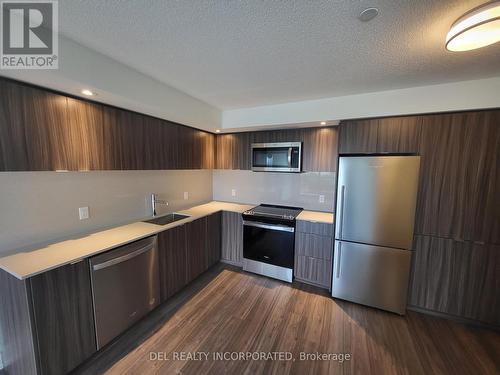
(87, 92)
(368, 14)
(217, 131)
(477, 28)
(322, 123)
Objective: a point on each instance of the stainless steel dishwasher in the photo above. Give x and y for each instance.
(125, 287)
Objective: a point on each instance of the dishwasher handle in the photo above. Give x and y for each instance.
(123, 258)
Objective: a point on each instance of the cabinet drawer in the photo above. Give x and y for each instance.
(323, 229)
(313, 245)
(313, 270)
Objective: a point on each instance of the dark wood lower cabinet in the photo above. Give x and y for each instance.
(314, 253)
(173, 261)
(47, 321)
(213, 251)
(187, 251)
(459, 278)
(232, 238)
(196, 248)
(63, 315)
(16, 327)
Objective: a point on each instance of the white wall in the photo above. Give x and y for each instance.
(477, 94)
(43, 206)
(289, 189)
(117, 84)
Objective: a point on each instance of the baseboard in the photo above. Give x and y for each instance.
(237, 264)
(311, 283)
(454, 318)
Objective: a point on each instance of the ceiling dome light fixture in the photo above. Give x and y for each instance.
(477, 28)
(88, 92)
(368, 14)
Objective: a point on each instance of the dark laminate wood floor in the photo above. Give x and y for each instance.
(227, 310)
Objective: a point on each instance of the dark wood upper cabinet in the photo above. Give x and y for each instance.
(44, 131)
(63, 315)
(358, 136)
(30, 120)
(319, 147)
(399, 134)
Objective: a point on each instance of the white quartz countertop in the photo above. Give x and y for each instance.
(35, 260)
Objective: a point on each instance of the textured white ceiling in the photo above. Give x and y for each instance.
(245, 53)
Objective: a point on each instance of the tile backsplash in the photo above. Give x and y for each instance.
(42, 206)
(310, 190)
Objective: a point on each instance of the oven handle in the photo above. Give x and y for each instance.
(281, 228)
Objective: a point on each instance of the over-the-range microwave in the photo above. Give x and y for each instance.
(277, 157)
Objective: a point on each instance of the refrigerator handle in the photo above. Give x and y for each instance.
(338, 260)
(341, 226)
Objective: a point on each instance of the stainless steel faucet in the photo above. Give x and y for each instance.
(155, 201)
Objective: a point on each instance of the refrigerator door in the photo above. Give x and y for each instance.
(376, 199)
(371, 275)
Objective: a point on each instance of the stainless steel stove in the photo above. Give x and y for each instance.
(269, 240)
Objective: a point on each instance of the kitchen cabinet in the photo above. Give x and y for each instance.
(232, 238)
(63, 315)
(456, 277)
(233, 151)
(314, 253)
(399, 134)
(196, 238)
(30, 120)
(319, 147)
(173, 261)
(47, 320)
(44, 131)
(358, 136)
(213, 251)
(186, 251)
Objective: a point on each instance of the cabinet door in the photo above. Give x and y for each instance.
(319, 149)
(358, 136)
(456, 277)
(232, 238)
(31, 121)
(62, 309)
(196, 238)
(399, 134)
(173, 266)
(213, 251)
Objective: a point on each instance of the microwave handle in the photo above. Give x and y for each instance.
(289, 157)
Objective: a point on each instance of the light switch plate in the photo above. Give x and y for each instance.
(186, 195)
(233, 192)
(83, 213)
(321, 199)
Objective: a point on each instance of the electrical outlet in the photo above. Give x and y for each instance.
(233, 192)
(186, 195)
(83, 213)
(321, 199)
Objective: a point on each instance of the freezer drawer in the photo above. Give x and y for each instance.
(376, 200)
(371, 275)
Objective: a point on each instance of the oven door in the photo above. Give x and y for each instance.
(276, 157)
(269, 243)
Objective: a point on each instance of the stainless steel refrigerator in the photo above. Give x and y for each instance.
(376, 199)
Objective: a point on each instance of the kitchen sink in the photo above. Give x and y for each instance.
(166, 219)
